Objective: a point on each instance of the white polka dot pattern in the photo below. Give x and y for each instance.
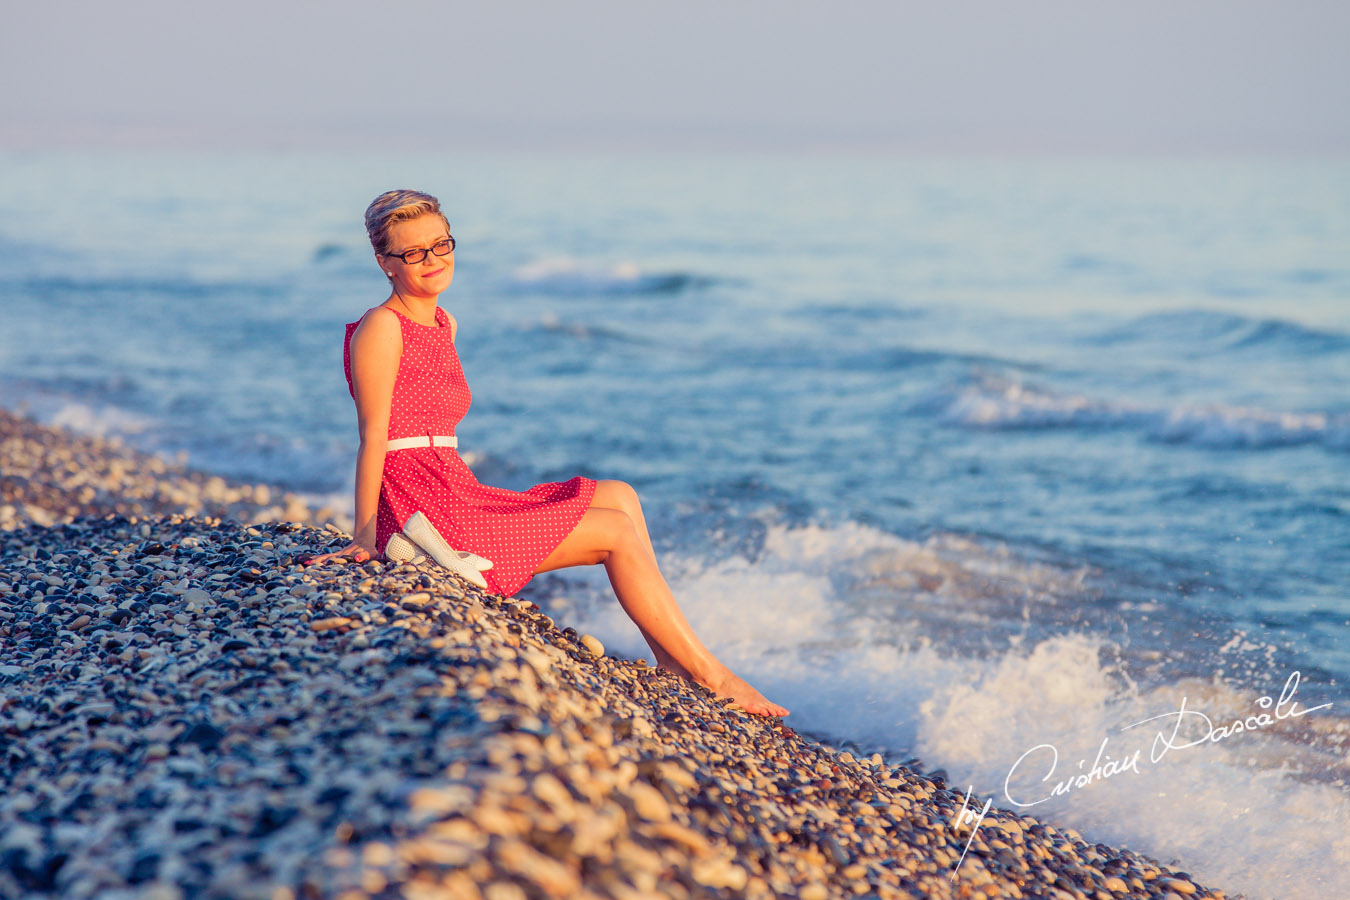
(514, 529)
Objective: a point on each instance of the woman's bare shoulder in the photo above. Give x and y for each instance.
(379, 326)
(454, 326)
(378, 320)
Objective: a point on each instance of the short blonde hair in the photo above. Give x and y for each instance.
(397, 206)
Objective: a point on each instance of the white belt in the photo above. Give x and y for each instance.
(423, 440)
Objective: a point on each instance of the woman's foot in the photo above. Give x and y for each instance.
(744, 696)
(726, 684)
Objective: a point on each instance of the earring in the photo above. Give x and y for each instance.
(390, 274)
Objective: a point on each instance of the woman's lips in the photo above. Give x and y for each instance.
(433, 272)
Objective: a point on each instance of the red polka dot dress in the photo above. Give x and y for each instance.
(517, 530)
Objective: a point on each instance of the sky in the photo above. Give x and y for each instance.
(1017, 76)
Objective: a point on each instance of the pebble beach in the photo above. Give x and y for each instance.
(186, 711)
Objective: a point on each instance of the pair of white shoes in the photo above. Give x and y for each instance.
(420, 539)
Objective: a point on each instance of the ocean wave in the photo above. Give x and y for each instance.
(1202, 332)
(853, 629)
(568, 277)
(1292, 337)
(876, 311)
(1262, 811)
(102, 421)
(175, 288)
(552, 324)
(327, 251)
(1002, 403)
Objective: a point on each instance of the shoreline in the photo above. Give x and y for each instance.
(187, 712)
(50, 474)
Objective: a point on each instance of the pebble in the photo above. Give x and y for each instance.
(593, 645)
(330, 623)
(648, 803)
(1180, 886)
(719, 873)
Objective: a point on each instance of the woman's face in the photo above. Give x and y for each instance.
(432, 275)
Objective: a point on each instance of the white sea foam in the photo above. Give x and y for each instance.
(1007, 403)
(1235, 814)
(568, 276)
(103, 421)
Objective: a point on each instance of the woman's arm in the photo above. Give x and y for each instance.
(376, 347)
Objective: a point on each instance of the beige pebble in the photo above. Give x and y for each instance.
(373, 881)
(421, 851)
(439, 801)
(693, 841)
(678, 775)
(1115, 885)
(501, 890)
(495, 820)
(377, 854)
(592, 643)
(329, 624)
(1177, 884)
(553, 878)
(552, 791)
(648, 803)
(718, 873)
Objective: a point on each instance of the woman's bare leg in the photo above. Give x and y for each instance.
(621, 496)
(610, 537)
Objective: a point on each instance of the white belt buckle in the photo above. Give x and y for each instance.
(423, 440)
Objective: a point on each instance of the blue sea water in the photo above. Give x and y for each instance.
(957, 459)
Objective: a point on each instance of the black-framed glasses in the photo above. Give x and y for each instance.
(412, 257)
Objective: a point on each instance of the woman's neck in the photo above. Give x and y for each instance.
(419, 309)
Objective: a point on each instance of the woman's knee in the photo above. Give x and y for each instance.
(618, 528)
(619, 495)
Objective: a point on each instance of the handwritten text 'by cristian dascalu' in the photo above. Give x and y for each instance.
(1165, 740)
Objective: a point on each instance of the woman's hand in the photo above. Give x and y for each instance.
(353, 552)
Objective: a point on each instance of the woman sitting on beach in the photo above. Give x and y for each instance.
(405, 377)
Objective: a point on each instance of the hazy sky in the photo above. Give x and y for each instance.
(983, 77)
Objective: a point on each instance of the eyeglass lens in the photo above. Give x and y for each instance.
(440, 248)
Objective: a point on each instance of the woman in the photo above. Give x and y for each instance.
(405, 377)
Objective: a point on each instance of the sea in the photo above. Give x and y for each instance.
(1030, 472)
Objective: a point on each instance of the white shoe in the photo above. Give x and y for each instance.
(468, 566)
(401, 550)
